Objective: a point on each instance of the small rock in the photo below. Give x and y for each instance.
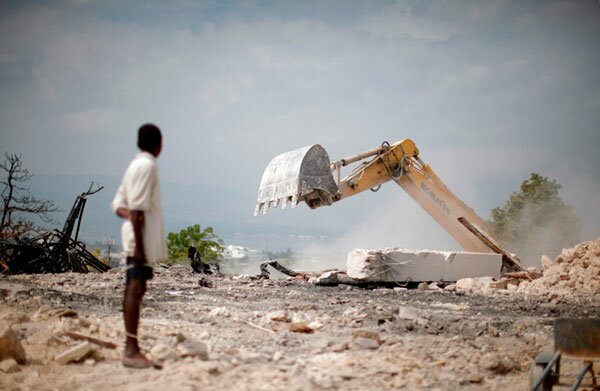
(423, 286)
(422, 322)
(408, 313)
(475, 378)
(493, 331)
(76, 353)
(299, 317)
(496, 365)
(279, 316)
(176, 337)
(163, 352)
(205, 282)
(193, 348)
(364, 343)
(340, 347)
(367, 334)
(434, 287)
(450, 288)
(465, 284)
(9, 366)
(300, 327)
(220, 311)
(549, 306)
(90, 362)
(10, 346)
(278, 355)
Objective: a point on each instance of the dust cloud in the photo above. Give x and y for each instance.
(554, 232)
(543, 235)
(391, 219)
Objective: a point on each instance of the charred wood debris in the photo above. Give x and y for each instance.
(55, 251)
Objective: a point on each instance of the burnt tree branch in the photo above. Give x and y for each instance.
(16, 200)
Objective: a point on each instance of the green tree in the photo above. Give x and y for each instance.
(206, 241)
(535, 220)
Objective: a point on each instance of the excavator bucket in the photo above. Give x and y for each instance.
(300, 175)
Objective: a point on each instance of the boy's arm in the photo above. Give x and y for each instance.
(123, 212)
(137, 219)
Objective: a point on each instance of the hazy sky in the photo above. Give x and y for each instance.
(489, 91)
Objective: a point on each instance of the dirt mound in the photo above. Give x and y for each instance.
(575, 271)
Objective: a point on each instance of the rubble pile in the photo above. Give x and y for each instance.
(575, 271)
(65, 331)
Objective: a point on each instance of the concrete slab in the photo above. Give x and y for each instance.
(398, 265)
(76, 353)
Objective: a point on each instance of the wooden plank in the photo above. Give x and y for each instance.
(89, 338)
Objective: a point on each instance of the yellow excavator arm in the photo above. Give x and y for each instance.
(400, 162)
(306, 175)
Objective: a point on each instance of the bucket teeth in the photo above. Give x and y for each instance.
(265, 208)
(296, 176)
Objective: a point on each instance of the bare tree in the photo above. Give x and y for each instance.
(18, 203)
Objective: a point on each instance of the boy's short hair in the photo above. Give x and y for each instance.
(149, 137)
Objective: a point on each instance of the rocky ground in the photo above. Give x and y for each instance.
(240, 333)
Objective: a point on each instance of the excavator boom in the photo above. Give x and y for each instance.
(307, 175)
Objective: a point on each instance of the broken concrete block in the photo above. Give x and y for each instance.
(9, 366)
(76, 353)
(10, 346)
(332, 278)
(397, 264)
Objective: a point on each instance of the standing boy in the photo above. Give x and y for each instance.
(142, 234)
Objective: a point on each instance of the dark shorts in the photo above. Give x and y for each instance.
(143, 272)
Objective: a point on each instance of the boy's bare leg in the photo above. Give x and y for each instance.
(134, 292)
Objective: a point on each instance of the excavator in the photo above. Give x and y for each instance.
(308, 175)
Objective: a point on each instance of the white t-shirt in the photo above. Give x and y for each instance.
(140, 190)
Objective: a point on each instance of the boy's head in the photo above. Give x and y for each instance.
(150, 139)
